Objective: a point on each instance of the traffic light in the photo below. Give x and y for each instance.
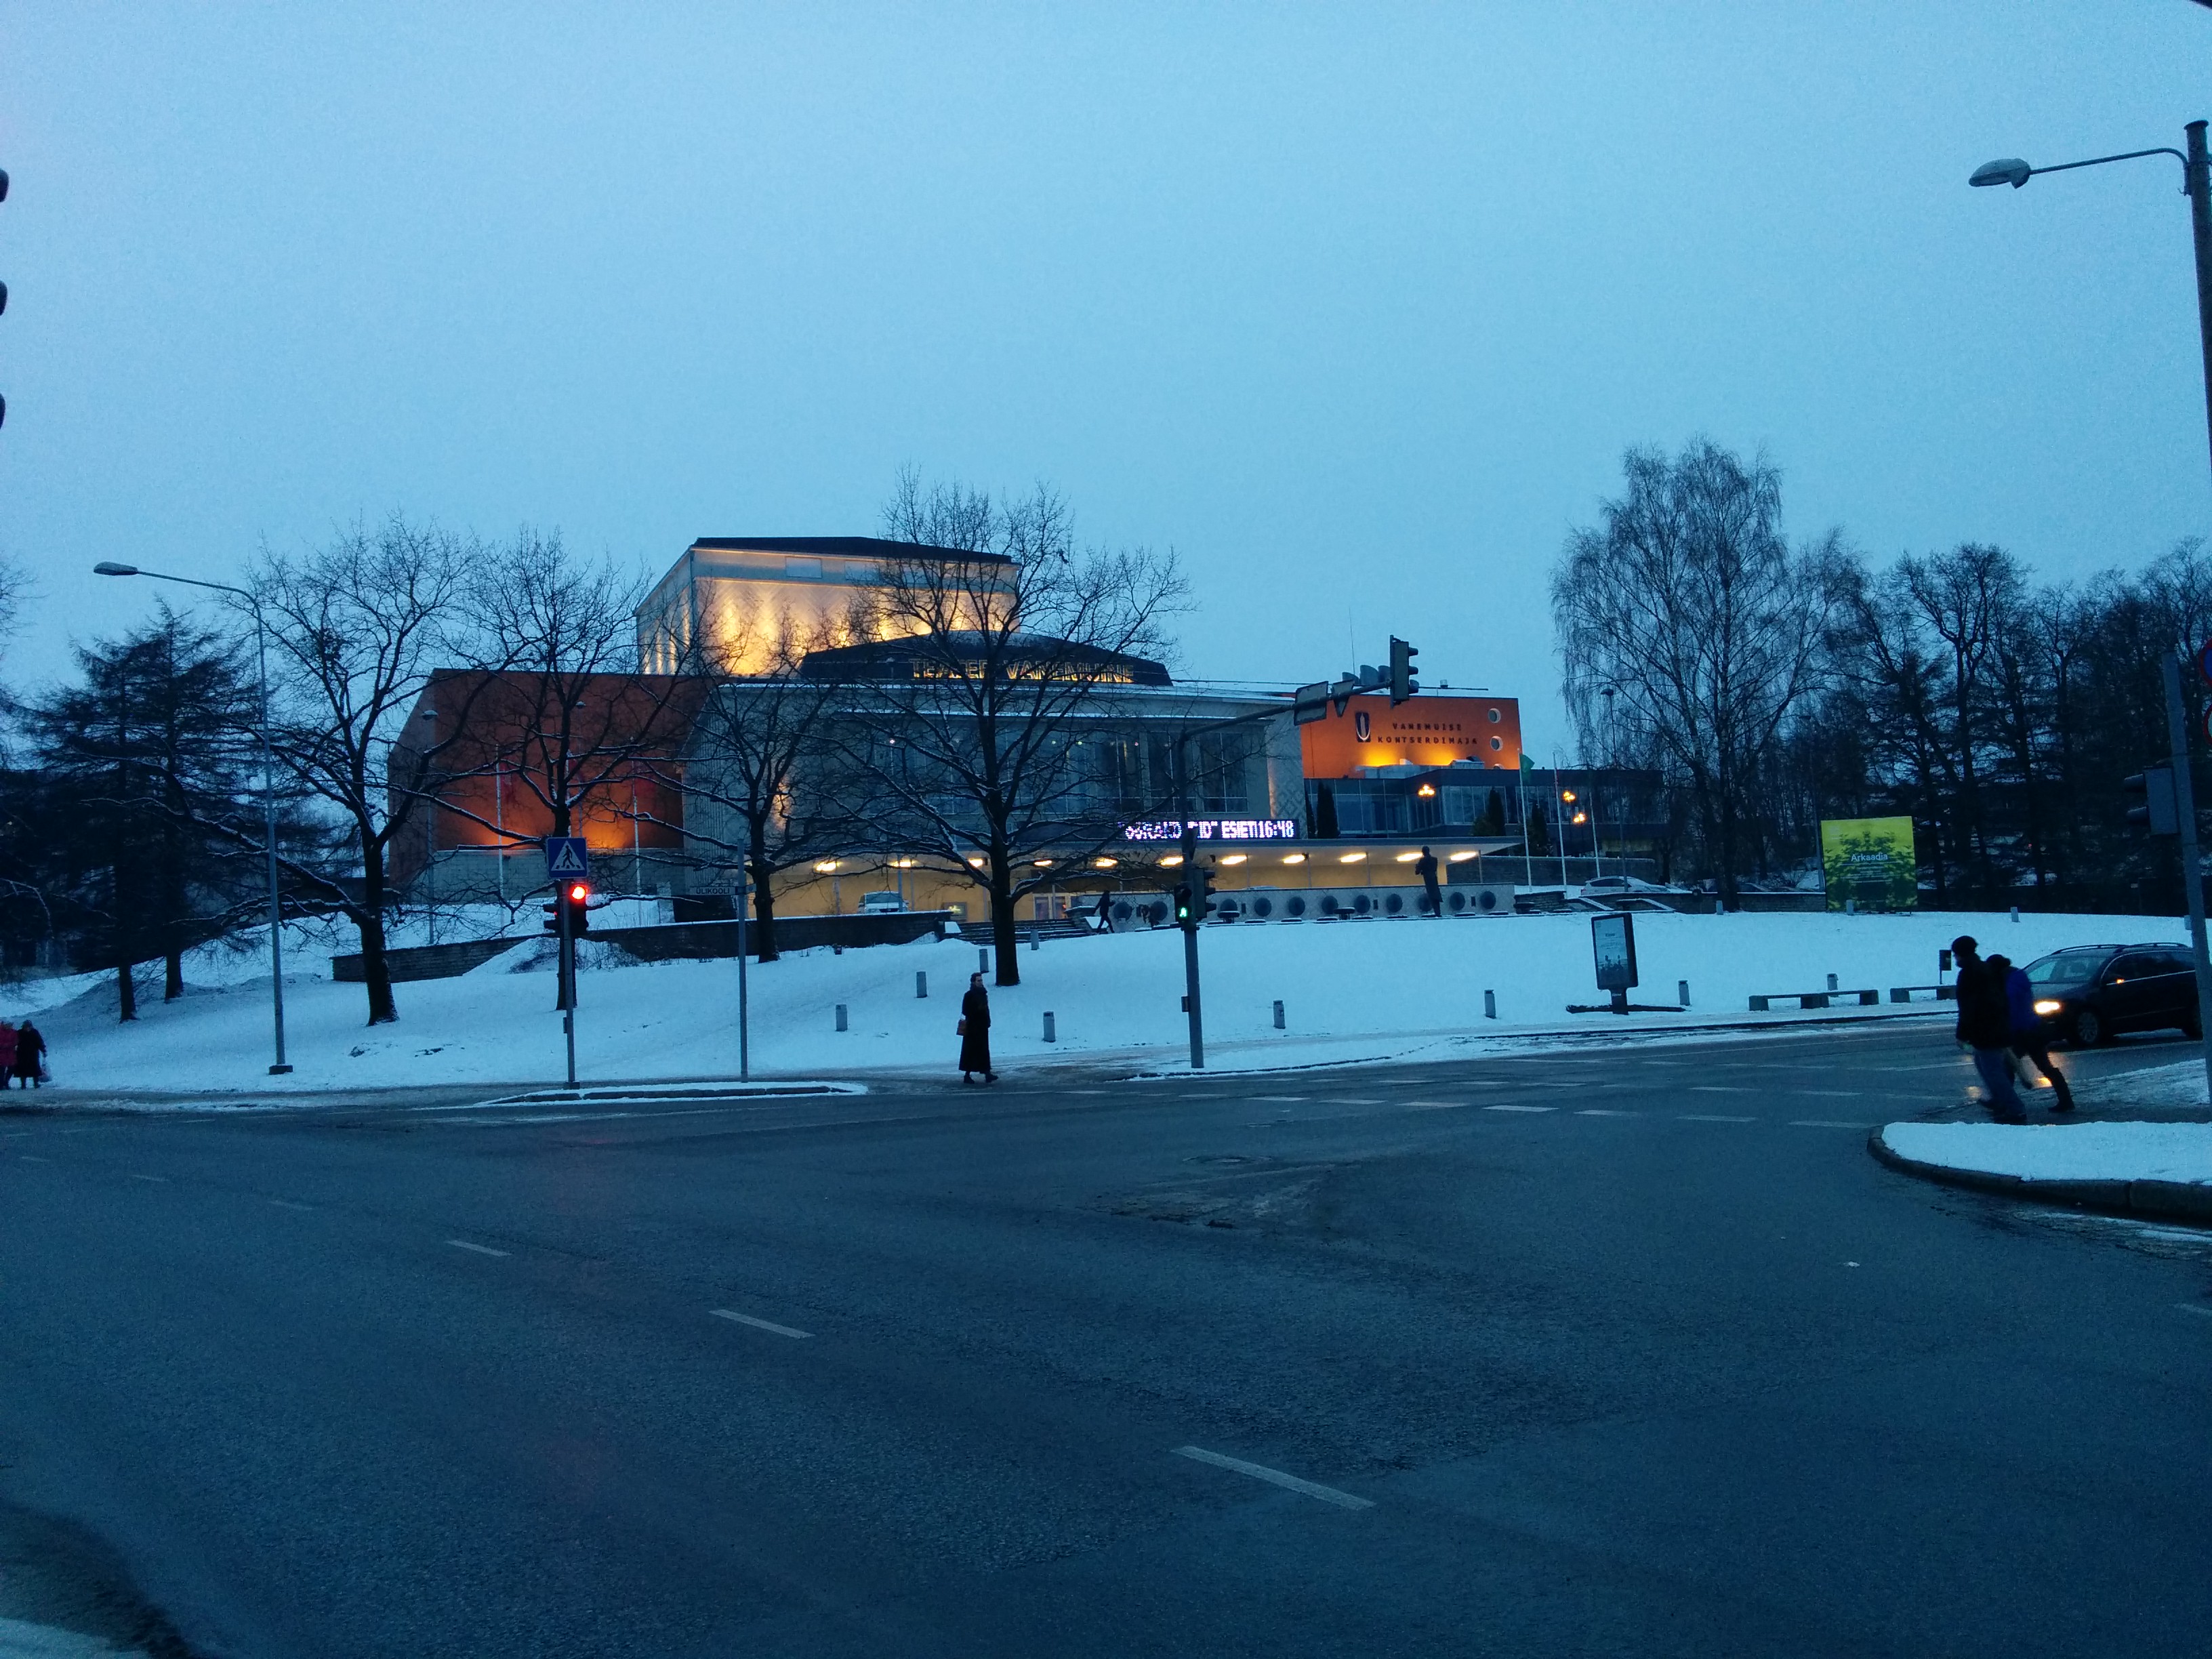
(1182, 904)
(2151, 793)
(575, 899)
(1201, 890)
(1402, 683)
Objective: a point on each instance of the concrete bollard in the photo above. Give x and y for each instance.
(1682, 991)
(1049, 1034)
(836, 950)
(983, 960)
(1831, 982)
(921, 983)
(1278, 1015)
(1490, 1004)
(841, 1017)
(1851, 907)
(2015, 913)
(1034, 937)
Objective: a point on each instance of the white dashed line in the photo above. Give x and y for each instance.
(1519, 1109)
(32, 1157)
(1716, 1088)
(1826, 1123)
(1278, 1100)
(481, 1249)
(1708, 1117)
(2191, 1307)
(757, 1324)
(287, 1204)
(144, 1177)
(1434, 1105)
(1276, 1477)
(1601, 1111)
(1831, 1094)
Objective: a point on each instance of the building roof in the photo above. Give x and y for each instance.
(907, 657)
(847, 547)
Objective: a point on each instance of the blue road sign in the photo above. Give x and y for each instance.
(2204, 664)
(565, 855)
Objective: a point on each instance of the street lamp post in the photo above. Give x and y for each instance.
(2197, 185)
(107, 568)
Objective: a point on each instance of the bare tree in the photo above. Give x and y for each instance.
(354, 631)
(762, 751)
(1689, 603)
(996, 647)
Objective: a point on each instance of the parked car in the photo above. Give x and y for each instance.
(2092, 992)
(881, 905)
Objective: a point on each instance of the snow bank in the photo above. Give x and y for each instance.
(2073, 1152)
(1351, 990)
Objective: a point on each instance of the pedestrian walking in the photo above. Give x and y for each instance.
(1985, 1027)
(2030, 1040)
(30, 1055)
(975, 1032)
(6, 1053)
(1425, 868)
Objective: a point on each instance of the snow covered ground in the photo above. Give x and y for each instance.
(1351, 990)
(2071, 1152)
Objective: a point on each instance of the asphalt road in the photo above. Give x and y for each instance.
(1629, 1351)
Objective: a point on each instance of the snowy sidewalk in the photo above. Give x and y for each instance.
(2139, 1169)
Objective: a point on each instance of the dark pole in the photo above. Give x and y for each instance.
(744, 1033)
(1190, 927)
(568, 980)
(2199, 186)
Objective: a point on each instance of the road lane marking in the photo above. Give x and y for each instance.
(1832, 1094)
(287, 1204)
(1276, 1477)
(1278, 1100)
(143, 1177)
(32, 1157)
(1519, 1109)
(1601, 1111)
(481, 1249)
(1716, 1088)
(1708, 1117)
(1825, 1123)
(2191, 1307)
(757, 1324)
(1434, 1105)
(1354, 1100)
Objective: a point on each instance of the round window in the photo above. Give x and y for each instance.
(1295, 906)
(1495, 717)
(1498, 743)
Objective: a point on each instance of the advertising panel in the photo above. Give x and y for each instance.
(1870, 860)
(1433, 730)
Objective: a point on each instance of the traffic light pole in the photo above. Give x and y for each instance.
(568, 980)
(744, 1051)
(2192, 879)
(1190, 1001)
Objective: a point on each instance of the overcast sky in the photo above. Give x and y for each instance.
(1355, 307)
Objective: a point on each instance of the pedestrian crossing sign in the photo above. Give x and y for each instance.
(565, 855)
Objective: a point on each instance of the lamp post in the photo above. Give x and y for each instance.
(2197, 185)
(107, 568)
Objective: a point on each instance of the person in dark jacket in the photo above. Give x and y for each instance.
(6, 1053)
(1985, 1026)
(2030, 1042)
(975, 1032)
(30, 1054)
(1425, 868)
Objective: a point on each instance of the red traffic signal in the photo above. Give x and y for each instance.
(578, 891)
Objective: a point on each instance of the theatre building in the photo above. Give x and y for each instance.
(1281, 811)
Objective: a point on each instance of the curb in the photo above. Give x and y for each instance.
(2171, 1201)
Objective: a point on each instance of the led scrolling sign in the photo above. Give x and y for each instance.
(1214, 829)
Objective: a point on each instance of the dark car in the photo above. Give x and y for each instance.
(2094, 991)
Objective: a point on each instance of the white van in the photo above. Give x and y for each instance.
(881, 905)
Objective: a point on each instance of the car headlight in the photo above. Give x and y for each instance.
(2048, 1007)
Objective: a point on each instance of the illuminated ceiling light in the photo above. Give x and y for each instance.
(1408, 857)
(1104, 864)
(1170, 861)
(825, 866)
(1350, 858)
(1294, 858)
(1233, 858)
(1041, 863)
(1460, 858)
(1425, 791)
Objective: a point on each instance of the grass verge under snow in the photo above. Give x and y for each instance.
(2072, 1151)
(1351, 990)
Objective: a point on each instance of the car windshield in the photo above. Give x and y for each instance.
(2066, 967)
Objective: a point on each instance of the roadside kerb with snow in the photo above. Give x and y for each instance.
(2126, 1169)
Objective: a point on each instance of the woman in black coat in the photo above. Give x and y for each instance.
(975, 1032)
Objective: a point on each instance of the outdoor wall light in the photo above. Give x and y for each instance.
(1294, 858)
(1170, 861)
(1041, 864)
(977, 862)
(825, 866)
(1408, 857)
(1104, 864)
(1461, 858)
(1234, 857)
(1350, 858)
(1426, 791)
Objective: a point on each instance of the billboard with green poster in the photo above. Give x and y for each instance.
(1871, 860)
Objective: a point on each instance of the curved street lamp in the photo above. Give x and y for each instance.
(109, 568)
(2197, 185)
